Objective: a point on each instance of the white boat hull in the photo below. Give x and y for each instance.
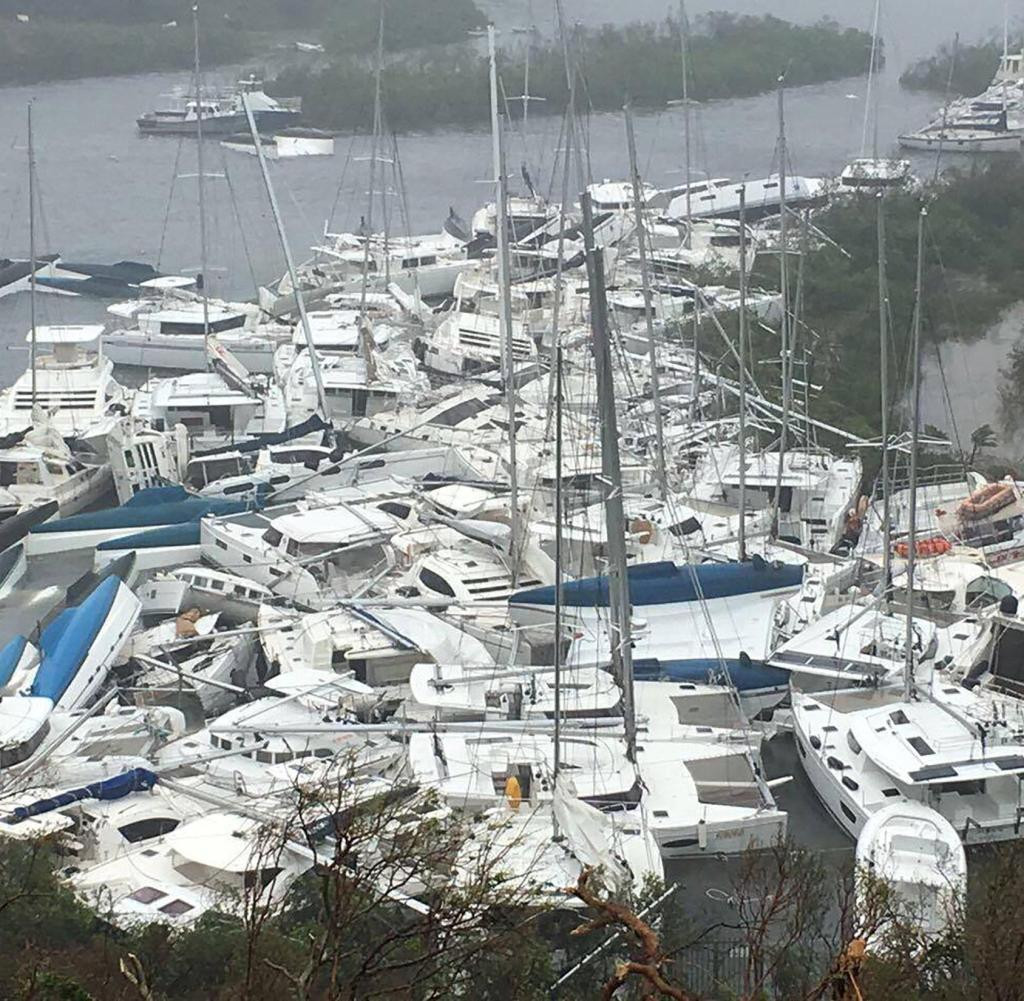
(112, 636)
(154, 558)
(183, 352)
(997, 143)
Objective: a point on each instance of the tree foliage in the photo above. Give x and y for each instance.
(974, 243)
(730, 56)
(68, 50)
(972, 70)
(353, 25)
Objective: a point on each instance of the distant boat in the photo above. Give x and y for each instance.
(15, 275)
(222, 115)
(104, 281)
(285, 145)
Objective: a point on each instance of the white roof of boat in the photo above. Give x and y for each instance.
(334, 524)
(197, 389)
(72, 333)
(616, 192)
(920, 743)
(219, 840)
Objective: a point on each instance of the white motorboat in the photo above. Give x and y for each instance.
(72, 390)
(174, 335)
(302, 553)
(917, 856)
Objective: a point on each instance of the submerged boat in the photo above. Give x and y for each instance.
(284, 145)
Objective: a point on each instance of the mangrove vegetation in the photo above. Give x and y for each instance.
(966, 70)
(974, 243)
(729, 56)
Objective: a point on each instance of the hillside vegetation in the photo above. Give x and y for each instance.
(731, 56)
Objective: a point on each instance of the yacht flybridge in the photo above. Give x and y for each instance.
(72, 388)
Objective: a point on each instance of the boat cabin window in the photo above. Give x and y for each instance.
(436, 583)
(297, 457)
(461, 412)
(150, 827)
(261, 878)
(851, 740)
(985, 591)
(400, 511)
(314, 548)
(26, 473)
(272, 537)
(920, 745)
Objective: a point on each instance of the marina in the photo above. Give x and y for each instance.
(505, 547)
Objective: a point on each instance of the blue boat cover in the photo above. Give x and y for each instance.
(186, 534)
(746, 675)
(158, 495)
(666, 583)
(66, 641)
(116, 787)
(145, 515)
(9, 657)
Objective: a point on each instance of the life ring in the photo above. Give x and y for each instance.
(936, 546)
(513, 792)
(986, 501)
(642, 529)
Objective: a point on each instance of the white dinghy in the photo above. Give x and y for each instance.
(917, 853)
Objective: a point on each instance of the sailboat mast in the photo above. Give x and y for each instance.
(915, 361)
(300, 302)
(883, 370)
(645, 279)
(784, 348)
(374, 146)
(505, 292)
(611, 481)
(871, 80)
(684, 28)
(743, 374)
(201, 182)
(558, 560)
(32, 250)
